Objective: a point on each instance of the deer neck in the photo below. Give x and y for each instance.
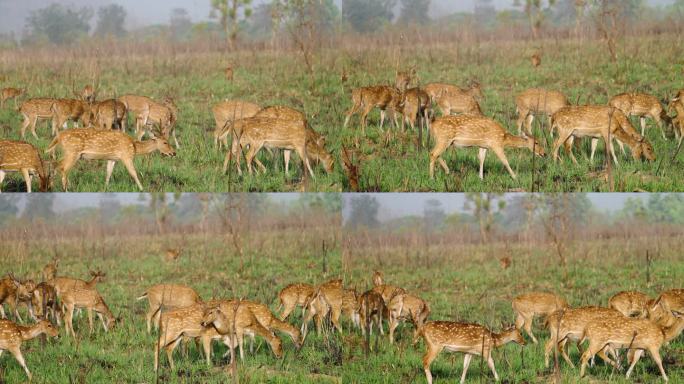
(501, 339)
(30, 332)
(145, 147)
(515, 141)
(673, 331)
(91, 284)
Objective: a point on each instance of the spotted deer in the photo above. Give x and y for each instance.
(415, 106)
(471, 339)
(64, 110)
(107, 145)
(13, 335)
(452, 98)
(90, 300)
(535, 101)
(365, 99)
(660, 309)
(49, 271)
(476, 131)
(631, 303)
(64, 284)
(162, 115)
(677, 105)
(10, 93)
(293, 296)
(88, 94)
(34, 110)
(327, 299)
(179, 323)
(643, 106)
(44, 302)
(372, 308)
(529, 305)
(407, 307)
(20, 156)
(226, 112)
(11, 292)
(172, 254)
(107, 114)
(167, 296)
(403, 79)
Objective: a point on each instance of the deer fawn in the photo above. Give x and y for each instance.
(64, 110)
(34, 110)
(172, 254)
(44, 302)
(167, 296)
(403, 79)
(537, 101)
(631, 303)
(20, 156)
(326, 300)
(164, 115)
(50, 269)
(597, 121)
(452, 98)
(12, 335)
(643, 106)
(471, 339)
(91, 300)
(107, 145)
(677, 104)
(529, 305)
(416, 105)
(407, 307)
(635, 334)
(476, 131)
(536, 60)
(668, 301)
(88, 94)
(371, 309)
(226, 112)
(12, 291)
(293, 296)
(365, 99)
(10, 93)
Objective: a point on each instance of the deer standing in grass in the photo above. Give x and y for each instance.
(64, 110)
(365, 99)
(13, 335)
(471, 339)
(372, 308)
(476, 131)
(90, 300)
(415, 106)
(107, 114)
(162, 115)
(537, 101)
(20, 156)
(677, 104)
(88, 94)
(631, 303)
(107, 145)
(172, 254)
(450, 98)
(326, 300)
(529, 305)
(167, 296)
(226, 112)
(407, 307)
(34, 110)
(642, 106)
(403, 79)
(597, 121)
(293, 296)
(667, 302)
(44, 302)
(11, 292)
(387, 291)
(10, 93)
(637, 335)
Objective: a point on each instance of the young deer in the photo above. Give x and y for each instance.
(326, 300)
(643, 106)
(529, 305)
(452, 98)
(13, 335)
(371, 310)
(365, 99)
(44, 302)
(630, 303)
(64, 284)
(88, 94)
(266, 318)
(163, 115)
(20, 156)
(415, 105)
(597, 121)
(569, 325)
(91, 300)
(407, 307)
(635, 334)
(172, 254)
(107, 145)
(677, 104)
(175, 325)
(167, 296)
(11, 292)
(403, 79)
(293, 296)
(476, 131)
(537, 101)
(10, 93)
(107, 114)
(64, 110)
(667, 302)
(228, 73)
(50, 269)
(471, 339)
(226, 112)
(34, 110)
(536, 60)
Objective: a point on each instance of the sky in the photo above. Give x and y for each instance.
(147, 12)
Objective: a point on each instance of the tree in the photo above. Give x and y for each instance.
(229, 16)
(367, 15)
(58, 24)
(535, 10)
(110, 21)
(562, 213)
(433, 214)
(414, 12)
(363, 212)
(484, 207)
(180, 24)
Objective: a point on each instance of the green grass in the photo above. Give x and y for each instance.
(386, 163)
(125, 355)
(466, 283)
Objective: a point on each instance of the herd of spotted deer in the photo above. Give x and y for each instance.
(253, 127)
(632, 320)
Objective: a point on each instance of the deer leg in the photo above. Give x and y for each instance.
(33, 127)
(287, 309)
(466, 363)
(110, 168)
(301, 151)
(128, 163)
(90, 320)
(286, 154)
(611, 148)
(482, 154)
(2, 178)
(499, 152)
(393, 324)
(428, 358)
(354, 109)
(382, 119)
(522, 118)
(435, 154)
(27, 179)
(249, 157)
(169, 351)
(637, 356)
(594, 144)
(16, 352)
(562, 137)
(25, 125)
(69, 320)
(67, 163)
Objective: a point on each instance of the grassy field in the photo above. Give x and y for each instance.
(386, 162)
(467, 283)
(272, 259)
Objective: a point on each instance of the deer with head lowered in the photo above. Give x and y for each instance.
(451, 98)
(34, 110)
(365, 99)
(226, 112)
(476, 131)
(65, 110)
(529, 305)
(20, 156)
(643, 106)
(107, 145)
(167, 296)
(107, 114)
(10, 93)
(293, 296)
(13, 335)
(537, 101)
(12, 291)
(405, 306)
(90, 300)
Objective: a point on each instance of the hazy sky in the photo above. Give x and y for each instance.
(145, 12)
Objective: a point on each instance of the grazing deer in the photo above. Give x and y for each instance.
(20, 156)
(350, 306)
(371, 310)
(437, 90)
(643, 106)
(388, 291)
(137, 106)
(44, 302)
(452, 98)
(327, 299)
(630, 303)
(11, 292)
(569, 325)
(597, 121)
(172, 254)
(407, 307)
(91, 300)
(529, 305)
(228, 72)
(476, 131)
(537, 101)
(13, 335)
(88, 94)
(536, 60)
(660, 309)
(415, 105)
(365, 99)
(164, 115)
(64, 110)
(293, 296)
(107, 145)
(10, 93)
(167, 296)
(107, 114)
(471, 339)
(64, 284)
(257, 132)
(34, 110)
(266, 318)
(403, 79)
(637, 335)
(226, 112)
